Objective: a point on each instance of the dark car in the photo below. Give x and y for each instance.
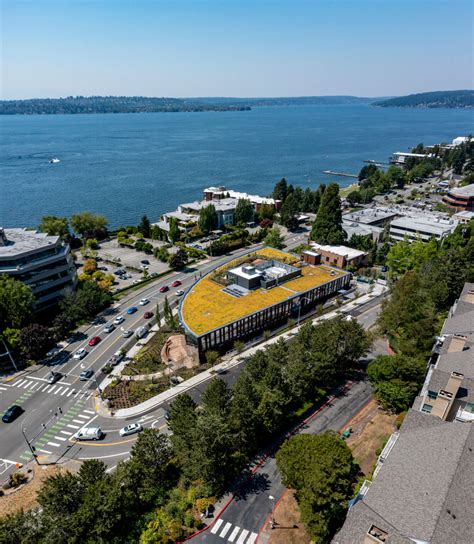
(54, 377)
(164, 289)
(59, 359)
(12, 413)
(148, 315)
(132, 310)
(94, 341)
(84, 376)
(176, 283)
(145, 261)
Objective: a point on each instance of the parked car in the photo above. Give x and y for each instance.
(94, 340)
(119, 319)
(58, 359)
(116, 358)
(89, 433)
(54, 377)
(132, 310)
(54, 351)
(164, 289)
(126, 333)
(86, 374)
(119, 272)
(80, 354)
(144, 301)
(12, 413)
(104, 268)
(179, 293)
(145, 261)
(131, 429)
(176, 283)
(109, 327)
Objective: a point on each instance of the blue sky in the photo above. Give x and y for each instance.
(234, 47)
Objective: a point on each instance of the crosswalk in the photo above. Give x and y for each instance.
(233, 533)
(36, 385)
(58, 434)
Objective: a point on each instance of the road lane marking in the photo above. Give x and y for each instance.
(82, 416)
(57, 392)
(70, 392)
(55, 444)
(78, 421)
(18, 384)
(42, 386)
(233, 534)
(60, 438)
(242, 537)
(45, 451)
(89, 412)
(104, 456)
(65, 391)
(225, 530)
(72, 426)
(252, 538)
(39, 379)
(216, 526)
(66, 432)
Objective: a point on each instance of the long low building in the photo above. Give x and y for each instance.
(252, 294)
(42, 262)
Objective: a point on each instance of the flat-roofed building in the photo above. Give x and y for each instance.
(421, 227)
(340, 256)
(42, 262)
(377, 216)
(253, 293)
(463, 217)
(460, 198)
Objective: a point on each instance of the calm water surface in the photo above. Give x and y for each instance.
(126, 165)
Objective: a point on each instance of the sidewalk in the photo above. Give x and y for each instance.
(232, 361)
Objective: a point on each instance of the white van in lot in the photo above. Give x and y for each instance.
(89, 433)
(141, 332)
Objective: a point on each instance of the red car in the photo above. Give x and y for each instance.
(164, 289)
(94, 340)
(176, 283)
(147, 315)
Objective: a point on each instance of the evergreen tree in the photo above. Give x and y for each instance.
(244, 211)
(327, 229)
(288, 212)
(144, 227)
(208, 218)
(174, 233)
(317, 197)
(280, 191)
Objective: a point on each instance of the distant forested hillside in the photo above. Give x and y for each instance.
(285, 101)
(437, 99)
(108, 104)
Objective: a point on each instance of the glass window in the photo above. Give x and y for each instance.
(432, 395)
(427, 408)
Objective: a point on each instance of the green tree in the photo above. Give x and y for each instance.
(35, 341)
(244, 211)
(208, 218)
(396, 177)
(266, 211)
(274, 238)
(21, 527)
(182, 423)
(179, 259)
(323, 472)
(317, 197)
(280, 191)
(396, 380)
(327, 228)
(88, 224)
(54, 225)
(16, 302)
(216, 398)
(145, 227)
(168, 314)
(289, 211)
(367, 171)
(174, 234)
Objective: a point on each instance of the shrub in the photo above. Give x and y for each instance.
(17, 478)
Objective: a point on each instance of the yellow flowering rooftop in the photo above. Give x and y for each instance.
(207, 307)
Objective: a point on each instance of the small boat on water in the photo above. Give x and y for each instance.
(54, 161)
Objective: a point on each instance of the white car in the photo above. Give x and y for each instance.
(144, 301)
(109, 327)
(179, 293)
(119, 319)
(127, 333)
(89, 433)
(80, 354)
(131, 429)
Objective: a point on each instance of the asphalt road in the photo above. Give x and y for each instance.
(249, 505)
(53, 413)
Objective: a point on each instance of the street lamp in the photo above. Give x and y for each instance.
(272, 517)
(30, 447)
(299, 307)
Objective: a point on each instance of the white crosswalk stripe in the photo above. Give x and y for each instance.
(26, 385)
(89, 412)
(84, 416)
(39, 386)
(18, 384)
(55, 444)
(66, 433)
(237, 535)
(65, 391)
(216, 526)
(59, 390)
(72, 426)
(60, 438)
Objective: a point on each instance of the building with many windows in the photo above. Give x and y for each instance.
(460, 198)
(254, 293)
(42, 262)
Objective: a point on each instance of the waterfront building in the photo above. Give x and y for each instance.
(460, 198)
(421, 227)
(42, 262)
(254, 293)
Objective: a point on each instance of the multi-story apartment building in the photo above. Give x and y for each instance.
(460, 198)
(42, 262)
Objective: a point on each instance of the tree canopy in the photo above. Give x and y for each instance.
(244, 211)
(274, 238)
(88, 224)
(16, 302)
(327, 229)
(208, 218)
(54, 225)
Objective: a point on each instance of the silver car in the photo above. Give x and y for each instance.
(131, 429)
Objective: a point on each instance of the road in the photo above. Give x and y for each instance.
(53, 413)
(250, 506)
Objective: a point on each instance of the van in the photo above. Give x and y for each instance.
(89, 433)
(141, 332)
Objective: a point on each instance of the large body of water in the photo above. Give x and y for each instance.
(127, 165)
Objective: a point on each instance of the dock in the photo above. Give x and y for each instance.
(376, 163)
(343, 174)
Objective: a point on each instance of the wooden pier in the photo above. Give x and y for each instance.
(343, 174)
